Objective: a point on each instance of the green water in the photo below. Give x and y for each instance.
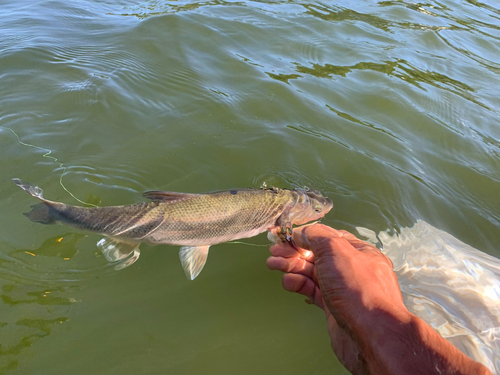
(389, 108)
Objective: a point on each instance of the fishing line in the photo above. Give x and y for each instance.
(48, 156)
(246, 243)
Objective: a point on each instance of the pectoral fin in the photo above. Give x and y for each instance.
(272, 236)
(193, 259)
(115, 251)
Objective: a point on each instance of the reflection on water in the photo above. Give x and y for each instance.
(33, 311)
(14, 343)
(46, 296)
(452, 286)
(63, 246)
(399, 68)
(34, 296)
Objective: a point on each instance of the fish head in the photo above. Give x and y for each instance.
(310, 205)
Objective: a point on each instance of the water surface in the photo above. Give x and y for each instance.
(389, 108)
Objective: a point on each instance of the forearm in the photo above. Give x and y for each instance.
(405, 344)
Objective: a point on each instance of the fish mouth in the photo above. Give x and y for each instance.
(327, 205)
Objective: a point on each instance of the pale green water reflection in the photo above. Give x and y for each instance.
(389, 108)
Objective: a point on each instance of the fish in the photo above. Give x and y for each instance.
(193, 221)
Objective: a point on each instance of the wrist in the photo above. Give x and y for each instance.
(388, 341)
(373, 325)
(398, 342)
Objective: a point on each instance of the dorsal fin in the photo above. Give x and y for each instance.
(168, 196)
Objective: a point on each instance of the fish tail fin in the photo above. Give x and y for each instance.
(34, 191)
(41, 213)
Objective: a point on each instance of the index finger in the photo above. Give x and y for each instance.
(285, 250)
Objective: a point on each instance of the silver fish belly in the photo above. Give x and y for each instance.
(193, 221)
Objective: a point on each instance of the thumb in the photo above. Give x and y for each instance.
(316, 237)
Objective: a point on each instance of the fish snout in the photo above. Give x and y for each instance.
(328, 204)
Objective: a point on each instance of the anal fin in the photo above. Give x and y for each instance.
(193, 259)
(115, 251)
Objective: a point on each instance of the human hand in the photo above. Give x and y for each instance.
(370, 329)
(351, 280)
